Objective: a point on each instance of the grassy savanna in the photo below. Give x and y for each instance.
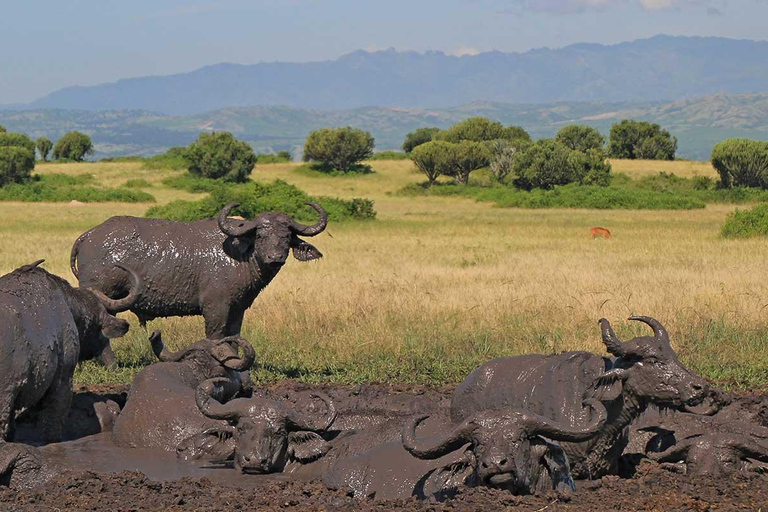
(438, 285)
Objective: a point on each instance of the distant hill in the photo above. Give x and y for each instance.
(698, 123)
(661, 68)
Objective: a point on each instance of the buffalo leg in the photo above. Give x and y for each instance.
(216, 322)
(234, 323)
(107, 356)
(7, 429)
(55, 406)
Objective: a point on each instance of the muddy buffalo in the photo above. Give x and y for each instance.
(503, 449)
(161, 411)
(645, 371)
(213, 267)
(22, 466)
(46, 326)
(263, 435)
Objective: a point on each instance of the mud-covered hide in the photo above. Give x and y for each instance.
(215, 267)
(262, 435)
(22, 467)
(46, 326)
(160, 411)
(645, 371)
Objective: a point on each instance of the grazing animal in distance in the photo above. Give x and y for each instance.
(645, 371)
(214, 267)
(599, 232)
(46, 327)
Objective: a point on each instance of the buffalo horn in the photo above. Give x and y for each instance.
(209, 406)
(229, 228)
(164, 355)
(612, 342)
(241, 364)
(115, 306)
(658, 330)
(550, 429)
(299, 421)
(435, 447)
(301, 229)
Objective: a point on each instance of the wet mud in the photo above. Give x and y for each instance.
(91, 473)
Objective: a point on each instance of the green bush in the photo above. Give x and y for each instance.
(747, 223)
(59, 188)
(137, 183)
(281, 157)
(431, 158)
(591, 167)
(481, 129)
(389, 155)
(18, 140)
(461, 158)
(340, 149)
(255, 198)
(44, 146)
(418, 137)
(2, 129)
(580, 138)
(73, 146)
(16, 164)
(741, 162)
(547, 163)
(639, 139)
(221, 156)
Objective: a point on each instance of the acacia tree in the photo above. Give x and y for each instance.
(502, 158)
(338, 148)
(741, 162)
(639, 139)
(481, 129)
(73, 146)
(2, 129)
(221, 156)
(44, 146)
(431, 158)
(419, 137)
(580, 137)
(464, 157)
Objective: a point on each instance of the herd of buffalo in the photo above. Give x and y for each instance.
(529, 424)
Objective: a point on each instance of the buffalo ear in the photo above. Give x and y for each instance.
(303, 251)
(442, 483)
(240, 245)
(558, 468)
(608, 386)
(306, 446)
(215, 444)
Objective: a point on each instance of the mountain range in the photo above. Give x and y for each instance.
(662, 68)
(698, 123)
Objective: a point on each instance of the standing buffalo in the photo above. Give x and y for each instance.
(214, 268)
(646, 371)
(46, 326)
(160, 411)
(263, 435)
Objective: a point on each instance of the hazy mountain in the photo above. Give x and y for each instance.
(655, 69)
(698, 123)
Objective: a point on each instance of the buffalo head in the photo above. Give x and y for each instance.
(649, 369)
(263, 435)
(225, 352)
(507, 447)
(271, 235)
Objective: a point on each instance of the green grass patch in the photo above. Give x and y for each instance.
(272, 159)
(316, 170)
(59, 188)
(389, 155)
(747, 223)
(137, 183)
(255, 198)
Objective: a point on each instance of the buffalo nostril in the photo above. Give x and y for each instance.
(502, 462)
(484, 464)
(697, 387)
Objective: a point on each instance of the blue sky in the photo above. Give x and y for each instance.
(56, 43)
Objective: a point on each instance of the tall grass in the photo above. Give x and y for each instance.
(440, 284)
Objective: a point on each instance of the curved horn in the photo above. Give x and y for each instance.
(658, 330)
(241, 364)
(435, 447)
(612, 342)
(31, 266)
(319, 227)
(299, 421)
(166, 356)
(229, 228)
(209, 406)
(115, 306)
(556, 431)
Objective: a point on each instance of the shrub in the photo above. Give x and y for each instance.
(639, 139)
(221, 156)
(389, 155)
(44, 146)
(137, 183)
(255, 198)
(16, 164)
(284, 154)
(432, 159)
(580, 137)
(591, 167)
(741, 162)
(57, 188)
(73, 146)
(481, 129)
(544, 164)
(2, 129)
(419, 137)
(747, 223)
(338, 149)
(463, 157)
(17, 140)
(502, 158)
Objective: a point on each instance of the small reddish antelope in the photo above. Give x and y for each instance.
(595, 232)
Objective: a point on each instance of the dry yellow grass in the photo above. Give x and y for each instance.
(682, 168)
(437, 285)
